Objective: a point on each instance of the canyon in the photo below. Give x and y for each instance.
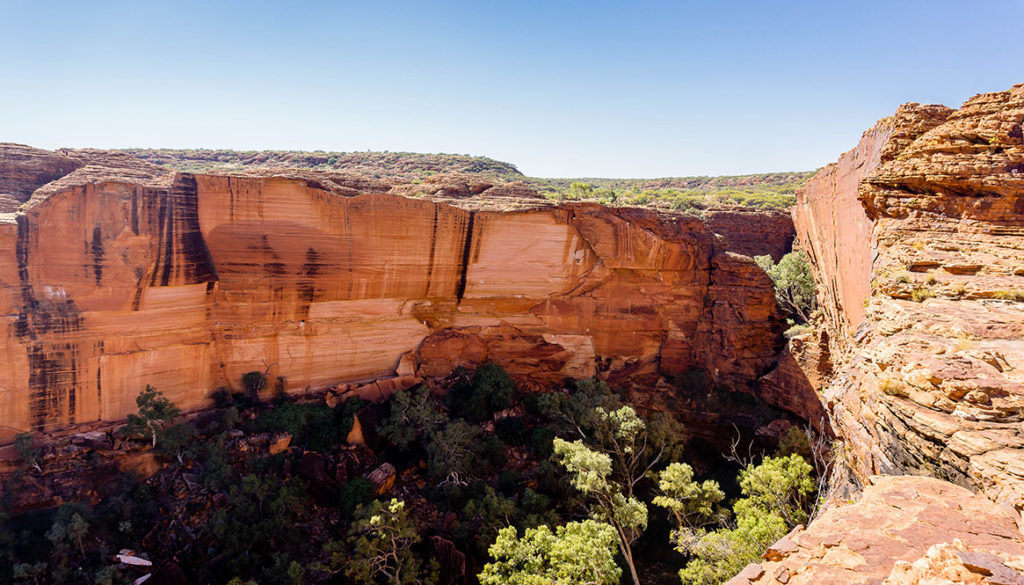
(116, 274)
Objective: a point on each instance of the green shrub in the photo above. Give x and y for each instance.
(578, 553)
(512, 430)
(491, 390)
(413, 416)
(919, 295)
(355, 492)
(454, 452)
(382, 540)
(27, 451)
(314, 426)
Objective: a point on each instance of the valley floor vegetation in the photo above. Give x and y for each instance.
(463, 480)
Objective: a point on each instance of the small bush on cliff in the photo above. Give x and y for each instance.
(793, 281)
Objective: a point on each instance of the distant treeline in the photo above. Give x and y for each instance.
(761, 191)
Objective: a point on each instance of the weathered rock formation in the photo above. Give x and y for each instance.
(903, 530)
(121, 274)
(917, 237)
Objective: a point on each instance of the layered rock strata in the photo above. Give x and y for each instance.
(903, 530)
(917, 240)
(121, 274)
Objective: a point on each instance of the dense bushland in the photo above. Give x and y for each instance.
(460, 480)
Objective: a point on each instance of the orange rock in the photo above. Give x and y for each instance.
(121, 274)
(917, 238)
(903, 530)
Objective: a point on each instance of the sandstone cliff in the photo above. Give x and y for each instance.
(917, 238)
(117, 273)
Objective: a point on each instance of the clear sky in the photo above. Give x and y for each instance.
(559, 88)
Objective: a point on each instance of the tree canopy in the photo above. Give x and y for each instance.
(793, 282)
(577, 553)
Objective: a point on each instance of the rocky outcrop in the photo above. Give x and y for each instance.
(902, 530)
(917, 239)
(122, 274)
(24, 169)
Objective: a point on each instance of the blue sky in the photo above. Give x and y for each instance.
(559, 88)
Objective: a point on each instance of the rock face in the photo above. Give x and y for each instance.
(24, 169)
(917, 238)
(122, 274)
(753, 233)
(903, 530)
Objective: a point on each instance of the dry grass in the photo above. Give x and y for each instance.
(891, 386)
(1009, 295)
(918, 295)
(963, 343)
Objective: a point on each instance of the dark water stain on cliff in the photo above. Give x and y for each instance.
(307, 282)
(182, 257)
(433, 247)
(97, 254)
(45, 325)
(276, 268)
(467, 248)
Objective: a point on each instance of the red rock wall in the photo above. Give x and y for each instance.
(118, 277)
(931, 380)
(835, 232)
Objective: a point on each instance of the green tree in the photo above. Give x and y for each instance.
(454, 452)
(781, 485)
(693, 504)
(382, 537)
(413, 416)
(489, 512)
(574, 413)
(490, 390)
(156, 413)
(591, 474)
(793, 282)
(27, 450)
(575, 554)
(619, 449)
(635, 446)
(29, 573)
(777, 494)
(264, 516)
(721, 554)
